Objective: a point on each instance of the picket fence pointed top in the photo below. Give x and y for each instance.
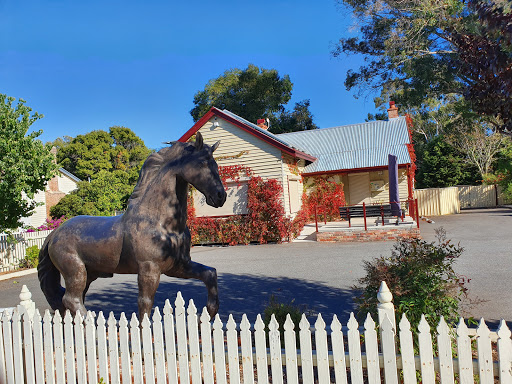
(123, 321)
(423, 325)
(369, 324)
(386, 325)
(101, 319)
(231, 325)
(482, 330)
(179, 302)
(304, 323)
(15, 315)
(6, 316)
(352, 322)
(37, 316)
(319, 323)
(244, 324)
(157, 317)
(503, 330)
(336, 324)
(259, 325)
(442, 327)
(112, 319)
(384, 295)
(47, 316)
(134, 322)
(273, 325)
(68, 319)
(404, 324)
(217, 323)
(191, 310)
(57, 318)
(205, 317)
(89, 319)
(167, 308)
(145, 321)
(288, 324)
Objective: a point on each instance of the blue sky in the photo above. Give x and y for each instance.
(88, 65)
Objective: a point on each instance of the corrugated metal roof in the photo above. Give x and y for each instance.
(352, 146)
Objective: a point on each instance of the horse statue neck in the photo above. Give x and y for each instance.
(163, 203)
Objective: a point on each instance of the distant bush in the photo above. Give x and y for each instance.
(421, 278)
(49, 225)
(280, 311)
(31, 257)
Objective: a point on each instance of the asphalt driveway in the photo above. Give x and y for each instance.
(317, 276)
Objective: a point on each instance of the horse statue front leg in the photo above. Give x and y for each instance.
(148, 279)
(207, 275)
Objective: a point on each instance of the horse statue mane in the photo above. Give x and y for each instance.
(152, 166)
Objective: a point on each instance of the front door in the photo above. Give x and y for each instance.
(359, 188)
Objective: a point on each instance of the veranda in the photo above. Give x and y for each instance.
(182, 346)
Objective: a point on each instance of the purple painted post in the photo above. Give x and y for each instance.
(394, 197)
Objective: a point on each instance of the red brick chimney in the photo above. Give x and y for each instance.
(392, 110)
(262, 124)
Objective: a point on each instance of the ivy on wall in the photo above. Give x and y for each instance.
(266, 220)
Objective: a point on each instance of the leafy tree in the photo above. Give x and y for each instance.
(406, 47)
(106, 193)
(96, 151)
(484, 61)
(255, 93)
(502, 174)
(480, 146)
(87, 154)
(442, 165)
(426, 55)
(109, 164)
(300, 119)
(26, 165)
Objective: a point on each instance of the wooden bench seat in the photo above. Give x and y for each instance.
(383, 210)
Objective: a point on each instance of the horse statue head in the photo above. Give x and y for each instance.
(200, 169)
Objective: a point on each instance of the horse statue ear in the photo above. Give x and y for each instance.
(199, 141)
(215, 146)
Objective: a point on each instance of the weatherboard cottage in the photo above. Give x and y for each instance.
(356, 155)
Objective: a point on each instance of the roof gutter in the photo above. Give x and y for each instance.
(353, 170)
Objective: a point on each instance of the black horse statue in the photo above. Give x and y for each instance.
(149, 239)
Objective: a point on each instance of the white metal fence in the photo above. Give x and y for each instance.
(13, 248)
(180, 346)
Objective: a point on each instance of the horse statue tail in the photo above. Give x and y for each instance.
(49, 278)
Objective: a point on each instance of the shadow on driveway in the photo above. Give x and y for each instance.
(247, 294)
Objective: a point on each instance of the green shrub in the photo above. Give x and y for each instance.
(31, 257)
(280, 311)
(421, 278)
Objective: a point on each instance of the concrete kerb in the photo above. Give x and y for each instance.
(12, 275)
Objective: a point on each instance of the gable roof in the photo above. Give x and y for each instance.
(249, 127)
(342, 148)
(354, 146)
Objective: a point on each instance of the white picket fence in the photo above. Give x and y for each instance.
(13, 248)
(182, 347)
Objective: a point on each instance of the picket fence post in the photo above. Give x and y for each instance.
(385, 306)
(26, 302)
